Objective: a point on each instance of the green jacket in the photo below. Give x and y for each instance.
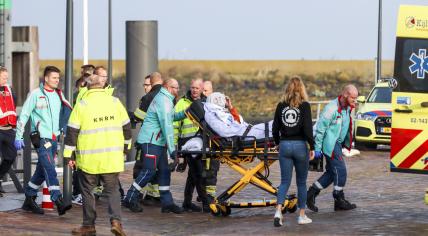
(38, 109)
(157, 128)
(329, 125)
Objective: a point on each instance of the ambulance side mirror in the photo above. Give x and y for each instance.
(361, 99)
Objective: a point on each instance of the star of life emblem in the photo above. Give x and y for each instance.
(420, 63)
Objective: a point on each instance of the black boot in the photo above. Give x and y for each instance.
(172, 208)
(206, 208)
(191, 207)
(133, 206)
(61, 207)
(340, 203)
(312, 194)
(31, 205)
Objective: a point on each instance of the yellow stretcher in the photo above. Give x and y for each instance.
(237, 152)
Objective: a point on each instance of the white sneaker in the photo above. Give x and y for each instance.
(78, 200)
(302, 220)
(277, 220)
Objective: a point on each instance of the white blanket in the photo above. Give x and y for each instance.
(193, 144)
(223, 124)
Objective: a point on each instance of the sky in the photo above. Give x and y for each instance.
(223, 29)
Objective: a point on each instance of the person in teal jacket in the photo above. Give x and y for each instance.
(334, 131)
(48, 111)
(156, 137)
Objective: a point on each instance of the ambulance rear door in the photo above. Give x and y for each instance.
(409, 137)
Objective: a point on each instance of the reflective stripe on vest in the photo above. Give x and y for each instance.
(98, 151)
(140, 114)
(185, 128)
(101, 129)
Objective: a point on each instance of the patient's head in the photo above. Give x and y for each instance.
(217, 98)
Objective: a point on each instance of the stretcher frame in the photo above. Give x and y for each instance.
(236, 158)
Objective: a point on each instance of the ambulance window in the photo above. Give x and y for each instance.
(410, 67)
(380, 95)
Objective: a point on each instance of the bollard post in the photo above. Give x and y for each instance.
(141, 59)
(68, 91)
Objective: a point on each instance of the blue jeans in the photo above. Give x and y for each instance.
(154, 159)
(335, 170)
(293, 153)
(45, 170)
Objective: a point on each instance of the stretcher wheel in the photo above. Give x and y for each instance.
(215, 210)
(292, 210)
(290, 204)
(225, 210)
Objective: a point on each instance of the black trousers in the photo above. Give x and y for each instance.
(194, 180)
(75, 183)
(7, 149)
(210, 173)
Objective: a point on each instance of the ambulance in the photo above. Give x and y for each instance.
(409, 133)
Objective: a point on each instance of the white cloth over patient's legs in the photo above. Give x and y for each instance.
(193, 144)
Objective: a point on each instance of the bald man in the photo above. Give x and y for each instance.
(208, 88)
(334, 131)
(172, 86)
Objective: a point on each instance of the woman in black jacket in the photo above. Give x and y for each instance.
(292, 132)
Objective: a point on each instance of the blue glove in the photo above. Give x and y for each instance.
(19, 144)
(318, 154)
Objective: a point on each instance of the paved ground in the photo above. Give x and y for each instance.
(388, 204)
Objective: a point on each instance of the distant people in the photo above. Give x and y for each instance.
(7, 126)
(156, 138)
(99, 131)
(292, 131)
(147, 84)
(102, 73)
(334, 131)
(85, 70)
(49, 112)
(208, 88)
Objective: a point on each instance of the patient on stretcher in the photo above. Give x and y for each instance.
(226, 124)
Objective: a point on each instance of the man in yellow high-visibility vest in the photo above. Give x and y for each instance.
(184, 130)
(99, 131)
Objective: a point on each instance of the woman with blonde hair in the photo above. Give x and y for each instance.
(292, 131)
